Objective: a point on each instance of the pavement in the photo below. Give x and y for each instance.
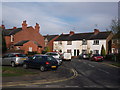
(110, 63)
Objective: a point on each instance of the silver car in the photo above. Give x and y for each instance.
(13, 59)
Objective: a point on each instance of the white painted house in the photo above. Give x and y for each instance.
(78, 43)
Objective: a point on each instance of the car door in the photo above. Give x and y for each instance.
(6, 60)
(31, 61)
(12, 57)
(38, 61)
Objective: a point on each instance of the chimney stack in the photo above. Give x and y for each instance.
(24, 25)
(3, 26)
(96, 31)
(14, 27)
(71, 32)
(37, 27)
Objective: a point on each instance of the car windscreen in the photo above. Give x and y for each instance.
(49, 58)
(96, 55)
(20, 55)
(54, 54)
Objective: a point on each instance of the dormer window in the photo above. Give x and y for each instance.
(96, 42)
(12, 38)
(84, 42)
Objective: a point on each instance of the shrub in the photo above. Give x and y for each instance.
(103, 52)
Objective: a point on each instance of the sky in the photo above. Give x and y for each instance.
(60, 17)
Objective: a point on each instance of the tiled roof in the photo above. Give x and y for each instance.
(81, 36)
(8, 32)
(37, 44)
(25, 41)
(50, 37)
(21, 43)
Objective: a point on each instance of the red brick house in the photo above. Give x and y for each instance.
(49, 39)
(115, 45)
(25, 38)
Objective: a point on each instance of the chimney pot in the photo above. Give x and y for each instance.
(24, 25)
(14, 27)
(71, 32)
(96, 31)
(37, 27)
(3, 26)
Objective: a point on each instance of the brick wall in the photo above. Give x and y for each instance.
(50, 43)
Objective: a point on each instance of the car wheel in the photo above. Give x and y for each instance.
(13, 64)
(42, 68)
(25, 66)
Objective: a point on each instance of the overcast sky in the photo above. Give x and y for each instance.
(60, 17)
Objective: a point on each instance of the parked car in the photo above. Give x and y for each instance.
(96, 57)
(43, 62)
(56, 56)
(84, 56)
(13, 59)
(66, 56)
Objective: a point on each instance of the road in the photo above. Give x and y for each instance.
(87, 74)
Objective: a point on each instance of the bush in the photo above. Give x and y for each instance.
(103, 52)
(113, 57)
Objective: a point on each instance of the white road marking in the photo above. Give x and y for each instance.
(104, 71)
(91, 65)
(53, 86)
(71, 86)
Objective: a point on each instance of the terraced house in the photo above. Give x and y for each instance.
(78, 43)
(25, 39)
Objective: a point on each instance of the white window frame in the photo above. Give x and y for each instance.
(12, 38)
(96, 42)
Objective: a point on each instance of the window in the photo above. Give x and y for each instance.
(12, 38)
(69, 51)
(60, 42)
(6, 55)
(69, 42)
(96, 42)
(18, 48)
(38, 57)
(84, 51)
(30, 49)
(96, 51)
(84, 42)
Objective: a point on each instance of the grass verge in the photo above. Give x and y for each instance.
(116, 64)
(13, 71)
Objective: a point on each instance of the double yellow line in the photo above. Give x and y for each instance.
(24, 83)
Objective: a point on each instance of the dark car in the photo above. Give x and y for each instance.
(43, 62)
(96, 57)
(56, 56)
(84, 56)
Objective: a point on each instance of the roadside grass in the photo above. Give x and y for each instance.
(116, 64)
(13, 71)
